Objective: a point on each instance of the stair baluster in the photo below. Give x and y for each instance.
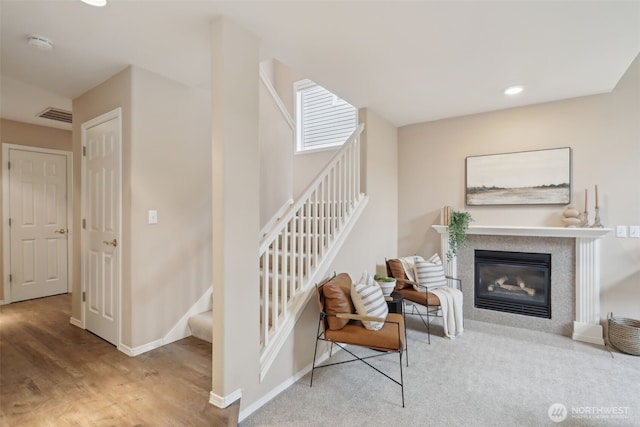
(299, 248)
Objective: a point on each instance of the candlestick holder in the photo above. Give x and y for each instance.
(596, 221)
(585, 219)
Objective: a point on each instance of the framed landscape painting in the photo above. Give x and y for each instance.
(541, 177)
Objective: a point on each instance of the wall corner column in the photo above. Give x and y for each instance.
(235, 211)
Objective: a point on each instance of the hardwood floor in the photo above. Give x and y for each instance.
(56, 374)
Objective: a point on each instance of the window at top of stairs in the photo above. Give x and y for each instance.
(323, 120)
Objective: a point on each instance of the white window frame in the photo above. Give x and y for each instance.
(300, 147)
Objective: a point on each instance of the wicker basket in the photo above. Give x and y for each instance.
(624, 334)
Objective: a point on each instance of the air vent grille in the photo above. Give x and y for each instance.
(56, 114)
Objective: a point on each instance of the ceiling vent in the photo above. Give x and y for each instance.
(56, 114)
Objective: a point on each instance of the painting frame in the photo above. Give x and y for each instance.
(536, 177)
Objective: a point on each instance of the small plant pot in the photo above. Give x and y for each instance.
(387, 287)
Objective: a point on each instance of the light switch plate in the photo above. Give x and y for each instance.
(621, 231)
(634, 231)
(153, 217)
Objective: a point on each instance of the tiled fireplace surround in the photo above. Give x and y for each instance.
(575, 276)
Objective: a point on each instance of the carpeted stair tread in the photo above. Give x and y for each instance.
(202, 326)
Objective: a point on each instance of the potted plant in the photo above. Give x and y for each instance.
(387, 284)
(457, 228)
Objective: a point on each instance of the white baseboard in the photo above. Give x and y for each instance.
(136, 351)
(244, 413)
(179, 331)
(76, 322)
(126, 350)
(224, 401)
(587, 332)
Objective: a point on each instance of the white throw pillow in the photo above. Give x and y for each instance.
(429, 273)
(369, 301)
(367, 279)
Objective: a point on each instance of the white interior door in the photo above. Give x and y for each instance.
(38, 225)
(101, 225)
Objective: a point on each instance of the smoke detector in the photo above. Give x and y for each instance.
(39, 42)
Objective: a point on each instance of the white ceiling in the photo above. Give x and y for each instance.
(408, 61)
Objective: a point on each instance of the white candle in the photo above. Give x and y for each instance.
(585, 199)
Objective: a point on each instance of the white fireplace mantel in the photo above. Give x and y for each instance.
(586, 326)
(493, 230)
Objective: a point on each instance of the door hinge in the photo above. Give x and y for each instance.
(9, 222)
(83, 296)
(9, 165)
(10, 278)
(84, 223)
(84, 150)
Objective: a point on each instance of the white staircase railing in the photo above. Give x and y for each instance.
(300, 247)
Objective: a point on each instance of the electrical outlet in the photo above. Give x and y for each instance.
(634, 231)
(621, 231)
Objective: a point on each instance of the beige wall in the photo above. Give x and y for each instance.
(374, 237)
(283, 79)
(19, 133)
(170, 261)
(276, 139)
(603, 132)
(12, 132)
(166, 166)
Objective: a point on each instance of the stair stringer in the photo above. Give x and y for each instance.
(278, 340)
(181, 329)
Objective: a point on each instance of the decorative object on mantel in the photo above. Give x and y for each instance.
(596, 223)
(624, 334)
(540, 177)
(585, 215)
(457, 229)
(445, 215)
(571, 217)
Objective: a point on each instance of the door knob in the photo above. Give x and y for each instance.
(113, 243)
(61, 231)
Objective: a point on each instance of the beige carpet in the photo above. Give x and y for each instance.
(491, 376)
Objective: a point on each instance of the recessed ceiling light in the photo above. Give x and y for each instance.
(97, 3)
(39, 42)
(513, 90)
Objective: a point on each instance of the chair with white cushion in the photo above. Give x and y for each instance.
(375, 331)
(422, 284)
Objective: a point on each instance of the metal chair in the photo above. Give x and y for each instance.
(340, 326)
(404, 286)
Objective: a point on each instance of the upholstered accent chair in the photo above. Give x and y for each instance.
(417, 299)
(340, 325)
